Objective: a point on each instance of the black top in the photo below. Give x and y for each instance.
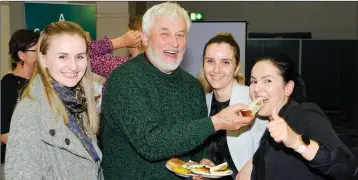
(11, 86)
(332, 161)
(218, 143)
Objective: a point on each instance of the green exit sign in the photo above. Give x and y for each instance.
(196, 16)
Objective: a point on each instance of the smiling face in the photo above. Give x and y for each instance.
(66, 59)
(220, 65)
(267, 83)
(166, 43)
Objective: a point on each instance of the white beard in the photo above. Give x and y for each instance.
(159, 63)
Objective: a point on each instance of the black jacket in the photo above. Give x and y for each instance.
(333, 160)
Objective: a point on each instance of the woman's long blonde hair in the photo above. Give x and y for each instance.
(49, 32)
(229, 39)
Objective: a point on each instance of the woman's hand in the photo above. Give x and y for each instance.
(245, 172)
(280, 131)
(200, 178)
(130, 39)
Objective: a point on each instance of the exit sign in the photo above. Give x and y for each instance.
(196, 16)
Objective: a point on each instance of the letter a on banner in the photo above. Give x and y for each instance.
(62, 18)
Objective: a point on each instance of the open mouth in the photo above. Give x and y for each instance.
(171, 53)
(70, 75)
(264, 99)
(216, 77)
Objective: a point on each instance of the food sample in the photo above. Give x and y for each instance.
(175, 162)
(203, 170)
(191, 165)
(254, 107)
(181, 170)
(220, 169)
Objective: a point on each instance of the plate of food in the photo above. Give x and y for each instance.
(181, 168)
(215, 172)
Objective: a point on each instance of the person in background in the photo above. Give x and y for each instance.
(135, 24)
(101, 63)
(52, 131)
(153, 110)
(299, 142)
(223, 85)
(22, 50)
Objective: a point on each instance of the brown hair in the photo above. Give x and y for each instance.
(135, 23)
(230, 40)
(51, 31)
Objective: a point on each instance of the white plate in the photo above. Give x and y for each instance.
(213, 175)
(179, 174)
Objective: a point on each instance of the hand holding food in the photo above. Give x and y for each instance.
(229, 119)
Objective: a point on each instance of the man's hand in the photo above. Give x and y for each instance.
(130, 39)
(230, 119)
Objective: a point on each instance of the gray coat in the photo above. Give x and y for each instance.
(41, 146)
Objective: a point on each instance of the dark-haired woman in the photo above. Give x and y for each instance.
(22, 50)
(299, 142)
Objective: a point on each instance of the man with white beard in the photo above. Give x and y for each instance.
(153, 110)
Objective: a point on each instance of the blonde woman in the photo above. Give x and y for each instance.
(52, 132)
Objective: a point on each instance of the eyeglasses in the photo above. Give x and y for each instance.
(32, 50)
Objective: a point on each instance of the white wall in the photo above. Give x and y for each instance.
(326, 20)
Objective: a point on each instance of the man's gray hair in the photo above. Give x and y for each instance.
(167, 9)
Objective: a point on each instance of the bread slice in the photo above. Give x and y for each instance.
(254, 107)
(219, 168)
(175, 162)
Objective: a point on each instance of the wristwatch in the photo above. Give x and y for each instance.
(305, 142)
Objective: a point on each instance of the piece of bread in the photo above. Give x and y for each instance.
(254, 107)
(226, 172)
(219, 168)
(175, 162)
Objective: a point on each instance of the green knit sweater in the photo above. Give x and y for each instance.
(150, 117)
